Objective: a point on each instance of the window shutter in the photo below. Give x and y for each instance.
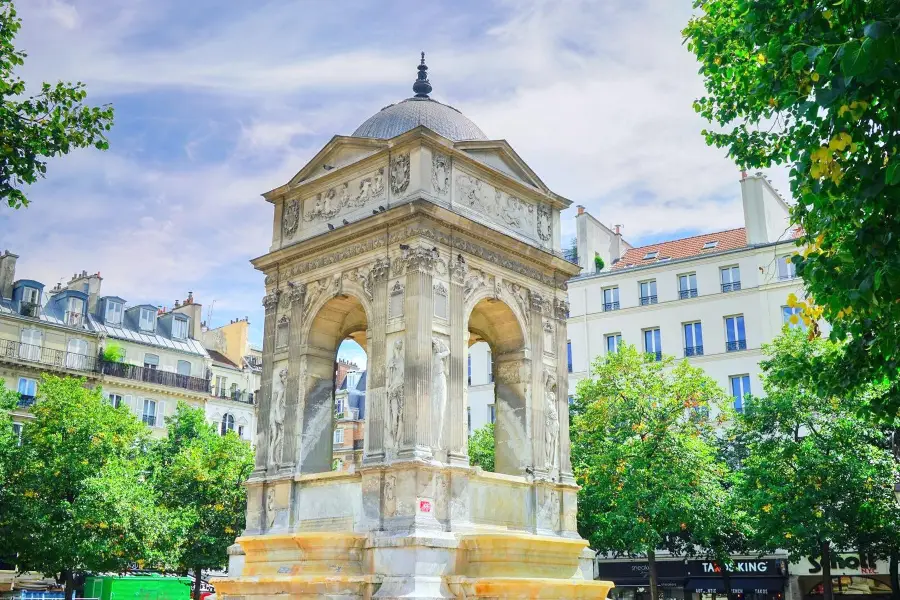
(161, 413)
(129, 401)
(138, 406)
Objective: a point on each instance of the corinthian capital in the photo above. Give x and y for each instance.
(270, 301)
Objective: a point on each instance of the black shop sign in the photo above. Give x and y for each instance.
(752, 567)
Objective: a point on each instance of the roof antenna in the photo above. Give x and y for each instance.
(422, 87)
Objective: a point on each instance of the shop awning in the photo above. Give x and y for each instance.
(738, 584)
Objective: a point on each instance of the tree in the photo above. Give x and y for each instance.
(199, 475)
(644, 455)
(817, 477)
(34, 128)
(481, 447)
(9, 442)
(815, 85)
(77, 500)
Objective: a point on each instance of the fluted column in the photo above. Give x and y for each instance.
(293, 393)
(270, 304)
(417, 438)
(458, 451)
(536, 408)
(376, 395)
(561, 314)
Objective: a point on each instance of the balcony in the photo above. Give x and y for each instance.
(25, 401)
(235, 396)
(693, 351)
(608, 306)
(126, 371)
(683, 294)
(49, 357)
(647, 300)
(735, 345)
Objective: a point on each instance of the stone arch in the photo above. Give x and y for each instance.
(331, 320)
(495, 321)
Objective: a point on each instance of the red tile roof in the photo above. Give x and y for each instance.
(684, 248)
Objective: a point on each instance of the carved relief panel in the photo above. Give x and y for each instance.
(496, 205)
(345, 197)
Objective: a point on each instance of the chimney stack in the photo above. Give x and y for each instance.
(580, 209)
(7, 273)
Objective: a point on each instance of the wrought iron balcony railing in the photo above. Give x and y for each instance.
(691, 293)
(25, 400)
(647, 300)
(693, 351)
(59, 359)
(608, 306)
(136, 373)
(734, 286)
(736, 345)
(657, 356)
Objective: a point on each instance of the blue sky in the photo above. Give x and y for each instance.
(219, 101)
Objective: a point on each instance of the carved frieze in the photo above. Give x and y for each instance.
(399, 173)
(418, 258)
(440, 173)
(497, 205)
(544, 222)
(329, 204)
(290, 218)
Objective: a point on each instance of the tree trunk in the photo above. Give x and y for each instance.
(827, 583)
(197, 573)
(651, 562)
(895, 579)
(69, 581)
(726, 580)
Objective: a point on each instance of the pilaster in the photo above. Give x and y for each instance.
(561, 314)
(376, 385)
(270, 305)
(294, 401)
(458, 451)
(537, 404)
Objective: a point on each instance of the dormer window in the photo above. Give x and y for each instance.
(179, 329)
(651, 254)
(710, 245)
(31, 296)
(147, 320)
(74, 311)
(113, 312)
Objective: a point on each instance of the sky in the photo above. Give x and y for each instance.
(218, 101)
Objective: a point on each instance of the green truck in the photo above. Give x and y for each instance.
(138, 587)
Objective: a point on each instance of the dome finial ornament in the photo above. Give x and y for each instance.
(422, 87)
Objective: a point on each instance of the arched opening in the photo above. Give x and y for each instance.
(340, 327)
(497, 345)
(227, 423)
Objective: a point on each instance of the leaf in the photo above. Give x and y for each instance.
(876, 30)
(892, 173)
(856, 57)
(798, 60)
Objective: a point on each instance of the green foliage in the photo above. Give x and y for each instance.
(77, 499)
(199, 476)
(51, 123)
(815, 472)
(816, 86)
(643, 453)
(598, 263)
(481, 447)
(113, 352)
(9, 442)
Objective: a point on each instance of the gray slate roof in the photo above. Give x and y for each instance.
(404, 116)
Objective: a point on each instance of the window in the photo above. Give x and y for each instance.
(469, 420)
(227, 423)
(115, 400)
(693, 339)
(731, 279)
(149, 414)
(31, 295)
(179, 329)
(113, 312)
(651, 254)
(30, 349)
(17, 431)
(786, 268)
(74, 311)
(183, 368)
(611, 298)
(613, 341)
(740, 390)
(492, 413)
(339, 406)
(571, 400)
(710, 245)
(653, 343)
(687, 285)
(241, 431)
(76, 354)
(568, 356)
(27, 391)
(470, 369)
(220, 386)
(648, 292)
(735, 336)
(791, 317)
(151, 361)
(339, 436)
(490, 365)
(147, 320)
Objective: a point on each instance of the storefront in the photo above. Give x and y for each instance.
(852, 574)
(749, 578)
(632, 578)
